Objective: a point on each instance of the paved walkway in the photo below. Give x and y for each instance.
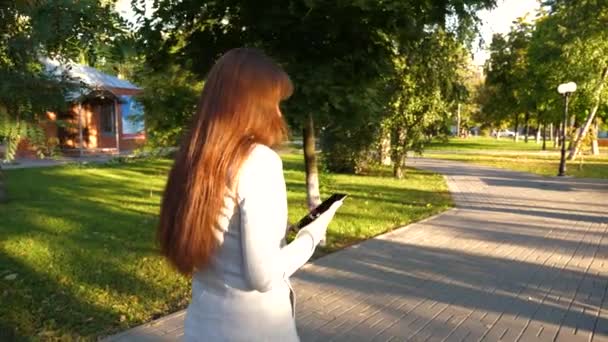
(27, 163)
(521, 258)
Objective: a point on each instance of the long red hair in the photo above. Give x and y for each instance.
(237, 109)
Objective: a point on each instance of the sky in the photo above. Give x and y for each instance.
(498, 20)
(124, 8)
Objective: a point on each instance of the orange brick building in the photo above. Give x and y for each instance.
(102, 117)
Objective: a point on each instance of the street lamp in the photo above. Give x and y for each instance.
(565, 89)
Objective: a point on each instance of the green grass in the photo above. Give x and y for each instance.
(80, 240)
(484, 144)
(519, 156)
(376, 202)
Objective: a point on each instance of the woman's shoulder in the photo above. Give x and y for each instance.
(261, 160)
(262, 155)
(262, 168)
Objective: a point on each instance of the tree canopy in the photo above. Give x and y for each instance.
(567, 42)
(341, 55)
(31, 30)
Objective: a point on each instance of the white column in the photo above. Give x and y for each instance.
(116, 108)
(81, 143)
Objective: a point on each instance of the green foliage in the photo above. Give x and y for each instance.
(119, 57)
(471, 86)
(427, 85)
(169, 99)
(14, 132)
(58, 29)
(30, 30)
(507, 87)
(339, 54)
(479, 145)
(568, 42)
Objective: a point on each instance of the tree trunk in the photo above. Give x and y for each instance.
(398, 167)
(539, 129)
(544, 136)
(458, 122)
(399, 152)
(3, 192)
(556, 138)
(527, 126)
(551, 131)
(516, 137)
(576, 146)
(385, 148)
(595, 146)
(310, 163)
(570, 132)
(572, 124)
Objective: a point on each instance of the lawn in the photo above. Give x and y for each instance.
(475, 144)
(520, 156)
(77, 257)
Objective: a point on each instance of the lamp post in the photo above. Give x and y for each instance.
(565, 89)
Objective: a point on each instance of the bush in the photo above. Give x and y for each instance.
(348, 151)
(169, 101)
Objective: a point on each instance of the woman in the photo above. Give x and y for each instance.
(224, 212)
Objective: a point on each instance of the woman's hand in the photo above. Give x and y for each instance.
(318, 227)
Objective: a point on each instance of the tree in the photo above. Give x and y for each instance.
(169, 99)
(120, 57)
(571, 44)
(497, 97)
(507, 82)
(583, 26)
(469, 90)
(3, 194)
(519, 39)
(339, 54)
(313, 197)
(30, 30)
(55, 29)
(426, 84)
(544, 71)
(597, 99)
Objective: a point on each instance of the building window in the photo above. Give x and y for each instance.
(108, 119)
(132, 113)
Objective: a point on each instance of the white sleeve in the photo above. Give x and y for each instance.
(262, 200)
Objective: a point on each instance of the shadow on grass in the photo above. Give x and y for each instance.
(93, 242)
(38, 306)
(292, 164)
(379, 194)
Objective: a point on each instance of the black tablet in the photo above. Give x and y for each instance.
(316, 212)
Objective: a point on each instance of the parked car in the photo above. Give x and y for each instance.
(503, 133)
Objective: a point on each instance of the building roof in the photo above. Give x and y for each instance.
(89, 76)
